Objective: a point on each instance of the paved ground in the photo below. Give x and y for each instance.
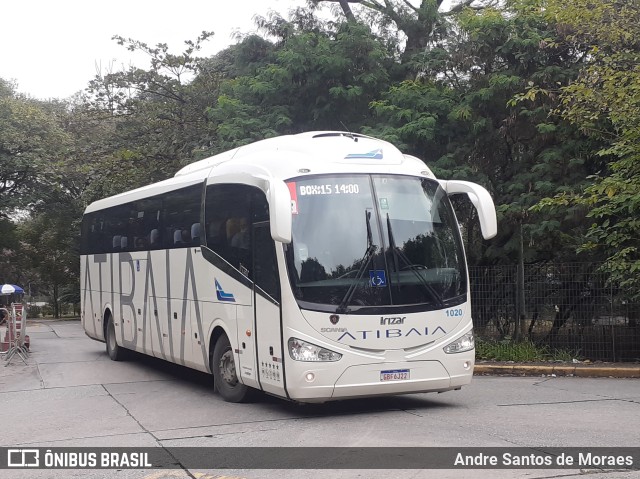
(71, 394)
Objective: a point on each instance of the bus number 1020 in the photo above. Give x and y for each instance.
(454, 313)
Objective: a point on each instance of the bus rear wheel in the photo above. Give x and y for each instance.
(225, 377)
(115, 352)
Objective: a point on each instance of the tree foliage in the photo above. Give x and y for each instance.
(467, 115)
(48, 245)
(32, 142)
(413, 25)
(532, 98)
(157, 115)
(604, 103)
(321, 78)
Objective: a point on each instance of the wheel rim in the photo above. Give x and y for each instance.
(227, 368)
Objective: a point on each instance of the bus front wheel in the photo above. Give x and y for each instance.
(115, 352)
(225, 377)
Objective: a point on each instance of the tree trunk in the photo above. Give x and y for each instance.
(56, 304)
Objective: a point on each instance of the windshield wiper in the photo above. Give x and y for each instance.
(364, 264)
(398, 253)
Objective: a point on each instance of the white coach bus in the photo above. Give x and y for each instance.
(313, 267)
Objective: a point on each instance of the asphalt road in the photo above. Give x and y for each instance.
(71, 395)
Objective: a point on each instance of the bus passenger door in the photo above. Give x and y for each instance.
(268, 325)
(237, 229)
(246, 344)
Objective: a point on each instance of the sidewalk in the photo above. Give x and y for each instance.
(585, 370)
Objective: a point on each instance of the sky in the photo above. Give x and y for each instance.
(53, 48)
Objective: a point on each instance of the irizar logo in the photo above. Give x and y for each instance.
(390, 333)
(392, 320)
(222, 296)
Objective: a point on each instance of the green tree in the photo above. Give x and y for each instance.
(31, 143)
(415, 25)
(461, 116)
(48, 249)
(323, 77)
(9, 270)
(604, 102)
(156, 116)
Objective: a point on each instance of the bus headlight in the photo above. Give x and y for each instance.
(462, 344)
(303, 351)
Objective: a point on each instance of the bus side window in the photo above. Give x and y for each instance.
(264, 261)
(154, 239)
(238, 235)
(181, 211)
(215, 236)
(227, 213)
(195, 234)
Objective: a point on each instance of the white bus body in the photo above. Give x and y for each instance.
(313, 267)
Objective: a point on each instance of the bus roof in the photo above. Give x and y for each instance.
(284, 157)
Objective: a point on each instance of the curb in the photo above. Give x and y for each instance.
(578, 370)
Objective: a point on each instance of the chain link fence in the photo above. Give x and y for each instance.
(568, 306)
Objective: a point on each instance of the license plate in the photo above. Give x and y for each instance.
(394, 375)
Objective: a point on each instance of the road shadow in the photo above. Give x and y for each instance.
(204, 382)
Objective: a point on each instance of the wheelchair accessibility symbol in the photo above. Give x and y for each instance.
(377, 278)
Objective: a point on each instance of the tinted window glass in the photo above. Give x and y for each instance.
(90, 234)
(237, 229)
(371, 241)
(147, 230)
(228, 224)
(114, 228)
(265, 267)
(182, 217)
(170, 220)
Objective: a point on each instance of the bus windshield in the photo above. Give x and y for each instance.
(365, 242)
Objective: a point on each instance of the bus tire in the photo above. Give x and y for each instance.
(115, 352)
(225, 378)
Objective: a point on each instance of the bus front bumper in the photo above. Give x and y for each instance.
(378, 379)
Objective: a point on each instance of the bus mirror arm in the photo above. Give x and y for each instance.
(481, 200)
(280, 210)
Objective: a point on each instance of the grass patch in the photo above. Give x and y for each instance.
(524, 351)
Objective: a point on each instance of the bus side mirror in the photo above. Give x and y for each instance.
(481, 200)
(280, 211)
